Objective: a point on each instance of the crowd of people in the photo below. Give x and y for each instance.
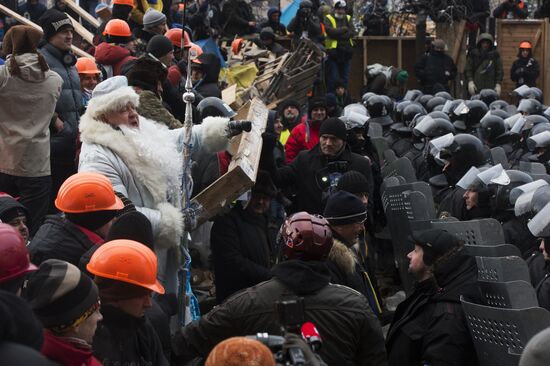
(94, 230)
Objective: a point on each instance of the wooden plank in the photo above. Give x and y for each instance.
(365, 60)
(229, 94)
(243, 168)
(536, 40)
(21, 19)
(83, 13)
(399, 54)
(83, 32)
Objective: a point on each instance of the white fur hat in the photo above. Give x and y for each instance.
(111, 95)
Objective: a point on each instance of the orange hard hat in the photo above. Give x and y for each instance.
(195, 51)
(87, 192)
(86, 65)
(236, 45)
(174, 35)
(127, 261)
(124, 2)
(118, 28)
(525, 44)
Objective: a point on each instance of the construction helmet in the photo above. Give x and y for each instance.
(174, 35)
(14, 257)
(525, 44)
(306, 237)
(117, 28)
(86, 65)
(87, 192)
(124, 2)
(127, 261)
(236, 45)
(195, 51)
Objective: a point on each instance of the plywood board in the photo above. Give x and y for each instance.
(229, 94)
(243, 168)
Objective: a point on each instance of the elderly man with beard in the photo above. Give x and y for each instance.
(143, 160)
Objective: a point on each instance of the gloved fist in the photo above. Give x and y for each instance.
(294, 341)
(235, 128)
(472, 89)
(498, 89)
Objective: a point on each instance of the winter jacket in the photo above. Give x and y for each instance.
(525, 71)
(312, 26)
(121, 339)
(241, 250)
(208, 85)
(538, 267)
(24, 131)
(306, 171)
(342, 31)
(18, 323)
(205, 21)
(517, 233)
(346, 270)
(543, 292)
(68, 351)
(151, 107)
(235, 17)
(351, 333)
(511, 10)
(302, 137)
(484, 68)
(429, 327)
(112, 57)
(278, 27)
(58, 238)
(63, 143)
(434, 71)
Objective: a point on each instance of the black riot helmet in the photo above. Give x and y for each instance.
(500, 200)
(366, 97)
(443, 94)
(464, 152)
(534, 120)
(488, 96)
(433, 127)
(492, 129)
(388, 103)
(530, 106)
(538, 128)
(306, 4)
(439, 114)
(434, 102)
(412, 95)
(399, 110)
(425, 99)
(379, 111)
(536, 93)
(411, 111)
(498, 104)
(501, 113)
(477, 110)
(214, 107)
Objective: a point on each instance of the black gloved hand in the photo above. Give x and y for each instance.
(235, 128)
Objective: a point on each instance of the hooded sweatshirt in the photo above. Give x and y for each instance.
(112, 55)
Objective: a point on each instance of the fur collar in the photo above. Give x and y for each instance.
(343, 256)
(150, 153)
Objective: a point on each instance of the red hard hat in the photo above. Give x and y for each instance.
(14, 257)
(306, 237)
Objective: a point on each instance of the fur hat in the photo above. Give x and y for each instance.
(240, 351)
(111, 95)
(146, 73)
(61, 296)
(22, 39)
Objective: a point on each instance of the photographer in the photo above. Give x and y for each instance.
(377, 19)
(351, 333)
(511, 9)
(305, 24)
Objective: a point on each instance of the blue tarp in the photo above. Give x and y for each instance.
(210, 46)
(289, 12)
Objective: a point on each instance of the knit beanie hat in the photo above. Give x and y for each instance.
(92, 220)
(61, 296)
(344, 208)
(537, 352)
(333, 126)
(153, 18)
(22, 39)
(146, 73)
(316, 102)
(240, 351)
(132, 225)
(110, 95)
(402, 77)
(353, 182)
(10, 208)
(112, 290)
(54, 21)
(435, 243)
(159, 46)
(264, 185)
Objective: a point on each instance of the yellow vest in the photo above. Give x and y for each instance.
(333, 43)
(284, 136)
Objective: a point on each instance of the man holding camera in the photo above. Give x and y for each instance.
(305, 24)
(301, 292)
(511, 9)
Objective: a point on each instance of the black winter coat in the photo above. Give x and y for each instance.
(525, 71)
(58, 238)
(434, 71)
(208, 85)
(517, 233)
(351, 333)
(241, 250)
(122, 339)
(235, 17)
(305, 173)
(543, 292)
(429, 327)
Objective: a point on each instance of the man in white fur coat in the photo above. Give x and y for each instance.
(143, 160)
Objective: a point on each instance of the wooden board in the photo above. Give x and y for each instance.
(229, 94)
(83, 13)
(243, 168)
(21, 19)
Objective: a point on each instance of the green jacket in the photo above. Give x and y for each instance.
(151, 107)
(485, 70)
